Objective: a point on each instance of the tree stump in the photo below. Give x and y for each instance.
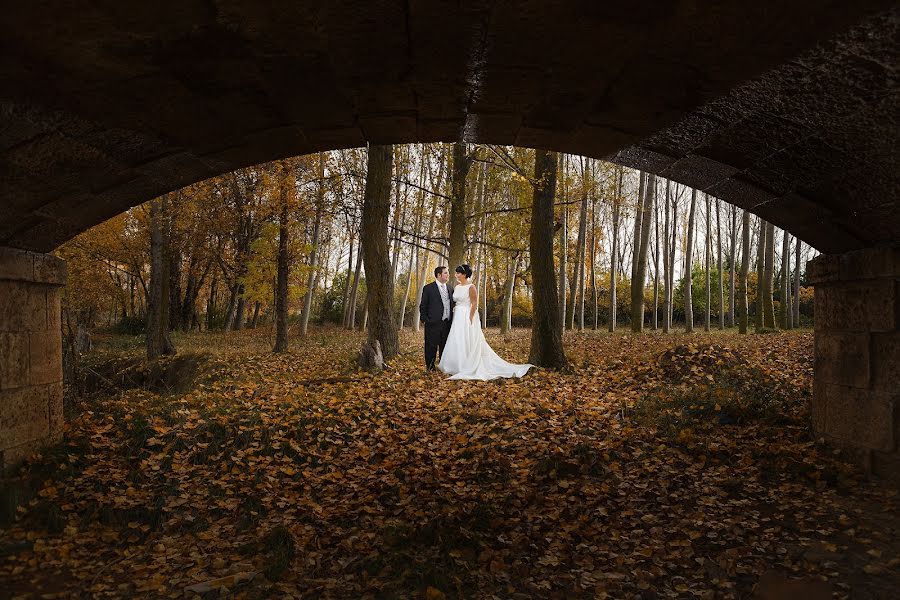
(83, 343)
(370, 356)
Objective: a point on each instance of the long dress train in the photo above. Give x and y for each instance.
(467, 354)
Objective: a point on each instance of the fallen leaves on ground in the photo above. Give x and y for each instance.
(293, 476)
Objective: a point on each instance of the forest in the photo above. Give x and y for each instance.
(248, 414)
(623, 243)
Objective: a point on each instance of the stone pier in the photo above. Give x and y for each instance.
(31, 392)
(856, 389)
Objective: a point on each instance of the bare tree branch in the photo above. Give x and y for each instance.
(497, 246)
(426, 248)
(405, 182)
(518, 209)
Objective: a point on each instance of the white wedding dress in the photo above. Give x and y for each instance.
(467, 354)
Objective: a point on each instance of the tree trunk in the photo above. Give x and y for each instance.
(638, 214)
(563, 248)
(667, 264)
(158, 341)
(796, 299)
(614, 255)
(314, 252)
(672, 255)
(593, 245)
(354, 293)
(656, 267)
(325, 270)
(420, 282)
(240, 313)
(211, 303)
(745, 267)
(423, 269)
(769, 312)
(186, 308)
(370, 357)
(231, 310)
(374, 236)
(578, 296)
(732, 261)
(322, 270)
(479, 232)
(506, 314)
(759, 321)
(347, 284)
(637, 284)
(414, 256)
(281, 280)
(689, 267)
(174, 261)
(482, 296)
(399, 221)
(719, 265)
(707, 260)
(255, 319)
(572, 294)
(786, 312)
(461, 164)
(546, 332)
(481, 253)
(409, 277)
(131, 286)
(191, 293)
(483, 288)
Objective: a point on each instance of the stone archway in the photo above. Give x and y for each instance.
(786, 109)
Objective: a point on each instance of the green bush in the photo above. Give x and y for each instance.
(130, 326)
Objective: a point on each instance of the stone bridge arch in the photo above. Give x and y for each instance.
(787, 109)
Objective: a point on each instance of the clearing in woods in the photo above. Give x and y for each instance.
(659, 466)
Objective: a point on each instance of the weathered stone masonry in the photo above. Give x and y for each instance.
(856, 390)
(31, 406)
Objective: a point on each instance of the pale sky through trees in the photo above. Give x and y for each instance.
(226, 228)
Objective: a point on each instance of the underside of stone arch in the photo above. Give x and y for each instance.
(787, 109)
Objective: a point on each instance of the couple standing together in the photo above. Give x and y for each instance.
(453, 327)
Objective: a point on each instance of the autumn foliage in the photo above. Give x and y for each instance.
(658, 467)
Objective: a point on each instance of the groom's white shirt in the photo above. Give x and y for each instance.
(445, 298)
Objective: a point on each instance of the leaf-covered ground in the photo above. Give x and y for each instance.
(659, 467)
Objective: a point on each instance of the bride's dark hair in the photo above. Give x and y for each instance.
(465, 270)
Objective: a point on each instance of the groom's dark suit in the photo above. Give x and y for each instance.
(431, 311)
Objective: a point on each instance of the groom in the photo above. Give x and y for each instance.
(436, 311)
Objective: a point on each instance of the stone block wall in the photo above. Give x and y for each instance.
(856, 389)
(31, 392)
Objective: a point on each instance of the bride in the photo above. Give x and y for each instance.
(467, 354)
